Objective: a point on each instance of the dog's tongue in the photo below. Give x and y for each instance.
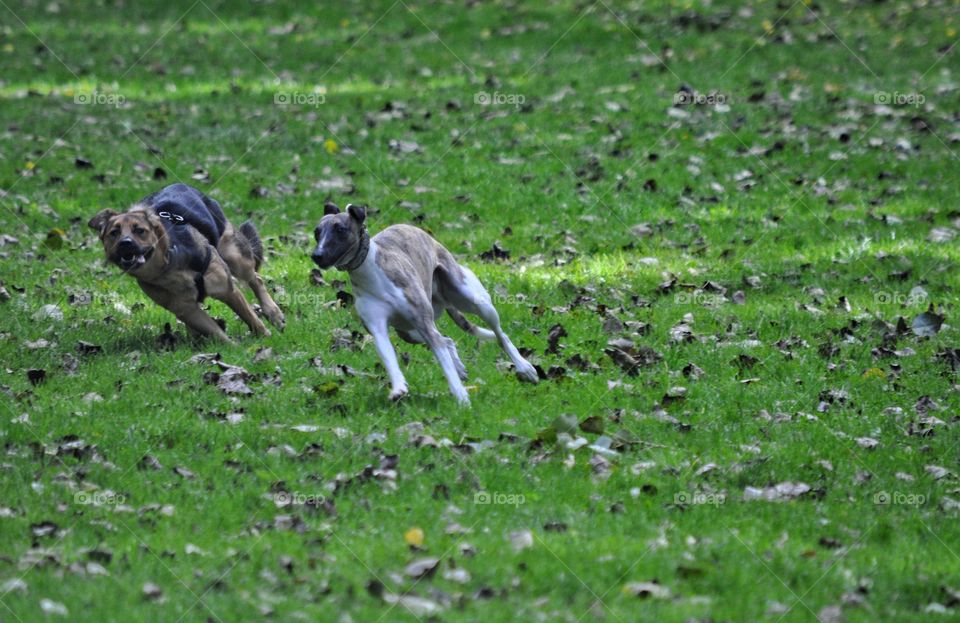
(141, 260)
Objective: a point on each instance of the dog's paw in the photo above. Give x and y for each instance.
(398, 393)
(526, 372)
(277, 319)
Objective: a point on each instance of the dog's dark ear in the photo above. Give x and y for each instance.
(99, 221)
(330, 208)
(357, 212)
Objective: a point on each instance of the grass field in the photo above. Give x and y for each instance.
(718, 228)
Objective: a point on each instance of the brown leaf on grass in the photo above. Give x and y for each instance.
(36, 376)
(592, 424)
(344, 339)
(938, 472)
(422, 568)
(405, 147)
(693, 371)
(626, 354)
(553, 337)
(149, 462)
(263, 354)
(44, 528)
(927, 324)
(233, 381)
(86, 348)
(681, 332)
(939, 235)
(184, 473)
(600, 466)
(151, 592)
(777, 493)
(520, 540)
(646, 590)
(496, 253)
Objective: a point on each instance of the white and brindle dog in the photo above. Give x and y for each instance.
(404, 278)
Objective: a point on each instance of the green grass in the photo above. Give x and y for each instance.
(800, 82)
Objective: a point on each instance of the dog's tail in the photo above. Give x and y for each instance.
(249, 233)
(469, 327)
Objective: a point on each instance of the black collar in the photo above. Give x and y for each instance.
(363, 247)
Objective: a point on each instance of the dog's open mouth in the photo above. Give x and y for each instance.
(131, 260)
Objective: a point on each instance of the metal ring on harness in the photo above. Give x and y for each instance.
(170, 216)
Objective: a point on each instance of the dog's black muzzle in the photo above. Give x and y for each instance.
(130, 256)
(322, 259)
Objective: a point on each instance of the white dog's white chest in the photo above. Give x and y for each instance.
(377, 296)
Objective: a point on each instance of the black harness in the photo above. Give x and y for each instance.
(197, 264)
(201, 268)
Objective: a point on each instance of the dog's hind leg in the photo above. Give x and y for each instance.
(455, 356)
(470, 296)
(243, 253)
(267, 304)
(469, 327)
(422, 314)
(414, 337)
(442, 351)
(219, 285)
(239, 304)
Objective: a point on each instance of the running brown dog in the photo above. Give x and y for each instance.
(180, 248)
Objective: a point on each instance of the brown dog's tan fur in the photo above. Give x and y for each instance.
(175, 288)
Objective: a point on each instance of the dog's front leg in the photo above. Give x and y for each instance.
(381, 339)
(200, 321)
(188, 312)
(374, 318)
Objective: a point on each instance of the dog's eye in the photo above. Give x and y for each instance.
(139, 231)
(114, 232)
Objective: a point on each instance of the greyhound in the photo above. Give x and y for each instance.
(404, 278)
